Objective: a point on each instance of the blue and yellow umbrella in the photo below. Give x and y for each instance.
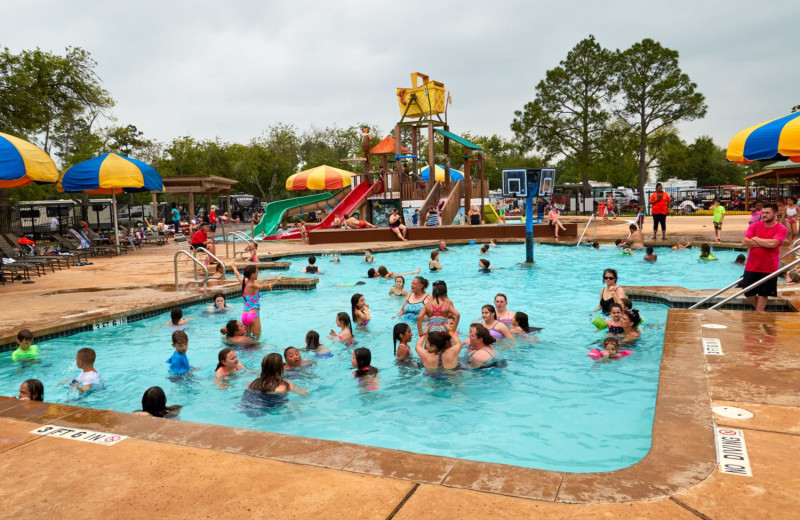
(777, 140)
(22, 163)
(425, 173)
(110, 173)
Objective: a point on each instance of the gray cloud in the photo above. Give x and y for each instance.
(230, 70)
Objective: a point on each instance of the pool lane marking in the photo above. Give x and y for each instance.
(712, 346)
(732, 452)
(75, 434)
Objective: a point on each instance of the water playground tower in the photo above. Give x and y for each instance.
(424, 106)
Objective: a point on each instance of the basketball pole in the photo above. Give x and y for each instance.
(529, 224)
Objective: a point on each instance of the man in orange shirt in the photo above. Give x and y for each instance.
(659, 207)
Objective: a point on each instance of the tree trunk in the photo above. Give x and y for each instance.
(642, 165)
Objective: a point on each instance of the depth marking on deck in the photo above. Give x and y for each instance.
(712, 346)
(75, 434)
(732, 452)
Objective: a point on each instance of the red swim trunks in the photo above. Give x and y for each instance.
(361, 224)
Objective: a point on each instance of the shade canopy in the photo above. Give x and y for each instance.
(455, 175)
(22, 163)
(320, 178)
(110, 172)
(778, 139)
(387, 147)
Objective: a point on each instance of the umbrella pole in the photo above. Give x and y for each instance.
(116, 226)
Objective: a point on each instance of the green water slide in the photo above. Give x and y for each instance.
(274, 211)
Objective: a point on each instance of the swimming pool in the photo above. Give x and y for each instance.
(551, 407)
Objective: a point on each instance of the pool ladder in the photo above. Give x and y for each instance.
(587, 227)
(197, 262)
(795, 249)
(236, 234)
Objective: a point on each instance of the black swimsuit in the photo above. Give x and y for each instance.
(606, 304)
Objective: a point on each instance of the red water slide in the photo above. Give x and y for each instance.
(353, 200)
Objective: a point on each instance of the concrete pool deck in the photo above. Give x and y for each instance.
(171, 469)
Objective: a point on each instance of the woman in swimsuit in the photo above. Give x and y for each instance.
(251, 296)
(434, 264)
(611, 293)
(474, 216)
(630, 320)
(438, 309)
(438, 351)
(398, 289)
(496, 328)
(504, 315)
(228, 363)
(271, 379)
(234, 332)
(397, 226)
(414, 302)
(346, 329)
(555, 220)
(481, 353)
(359, 310)
(791, 217)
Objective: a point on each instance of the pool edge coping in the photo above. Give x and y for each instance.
(681, 455)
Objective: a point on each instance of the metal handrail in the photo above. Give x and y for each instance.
(197, 262)
(795, 249)
(758, 283)
(584, 230)
(238, 234)
(212, 255)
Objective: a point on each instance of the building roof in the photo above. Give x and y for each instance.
(460, 140)
(387, 147)
(198, 185)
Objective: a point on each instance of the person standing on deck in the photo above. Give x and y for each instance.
(659, 207)
(764, 238)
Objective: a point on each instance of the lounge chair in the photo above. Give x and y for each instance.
(82, 255)
(13, 242)
(12, 252)
(16, 271)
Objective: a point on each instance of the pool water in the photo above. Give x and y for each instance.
(551, 407)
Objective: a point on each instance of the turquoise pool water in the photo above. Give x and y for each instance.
(551, 407)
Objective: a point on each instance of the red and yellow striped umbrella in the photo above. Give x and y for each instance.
(320, 178)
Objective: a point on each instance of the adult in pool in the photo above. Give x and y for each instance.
(630, 320)
(495, 327)
(235, 332)
(414, 302)
(438, 350)
(481, 353)
(504, 315)
(611, 293)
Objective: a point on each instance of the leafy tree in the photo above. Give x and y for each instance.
(569, 113)
(126, 140)
(703, 161)
(654, 94)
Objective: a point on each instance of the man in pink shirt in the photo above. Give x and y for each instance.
(764, 238)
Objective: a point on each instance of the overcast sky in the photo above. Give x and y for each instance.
(231, 69)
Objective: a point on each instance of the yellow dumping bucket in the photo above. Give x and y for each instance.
(430, 97)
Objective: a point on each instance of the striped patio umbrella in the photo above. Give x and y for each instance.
(22, 163)
(320, 178)
(455, 175)
(111, 173)
(778, 139)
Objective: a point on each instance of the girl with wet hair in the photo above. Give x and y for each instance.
(495, 327)
(154, 403)
(519, 323)
(359, 310)
(313, 343)
(228, 363)
(31, 390)
(345, 334)
(438, 309)
(361, 360)
(402, 333)
(271, 378)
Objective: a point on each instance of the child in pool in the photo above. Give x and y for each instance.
(484, 266)
(178, 362)
(484, 249)
(614, 324)
(220, 304)
(681, 245)
(177, 318)
(359, 310)
(434, 264)
(610, 350)
(31, 390)
(26, 350)
(402, 333)
(346, 329)
(312, 343)
(85, 360)
(361, 360)
(452, 325)
(398, 289)
(368, 256)
(228, 363)
(740, 260)
(293, 359)
(252, 249)
(705, 252)
(650, 256)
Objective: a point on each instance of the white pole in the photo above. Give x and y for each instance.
(116, 226)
